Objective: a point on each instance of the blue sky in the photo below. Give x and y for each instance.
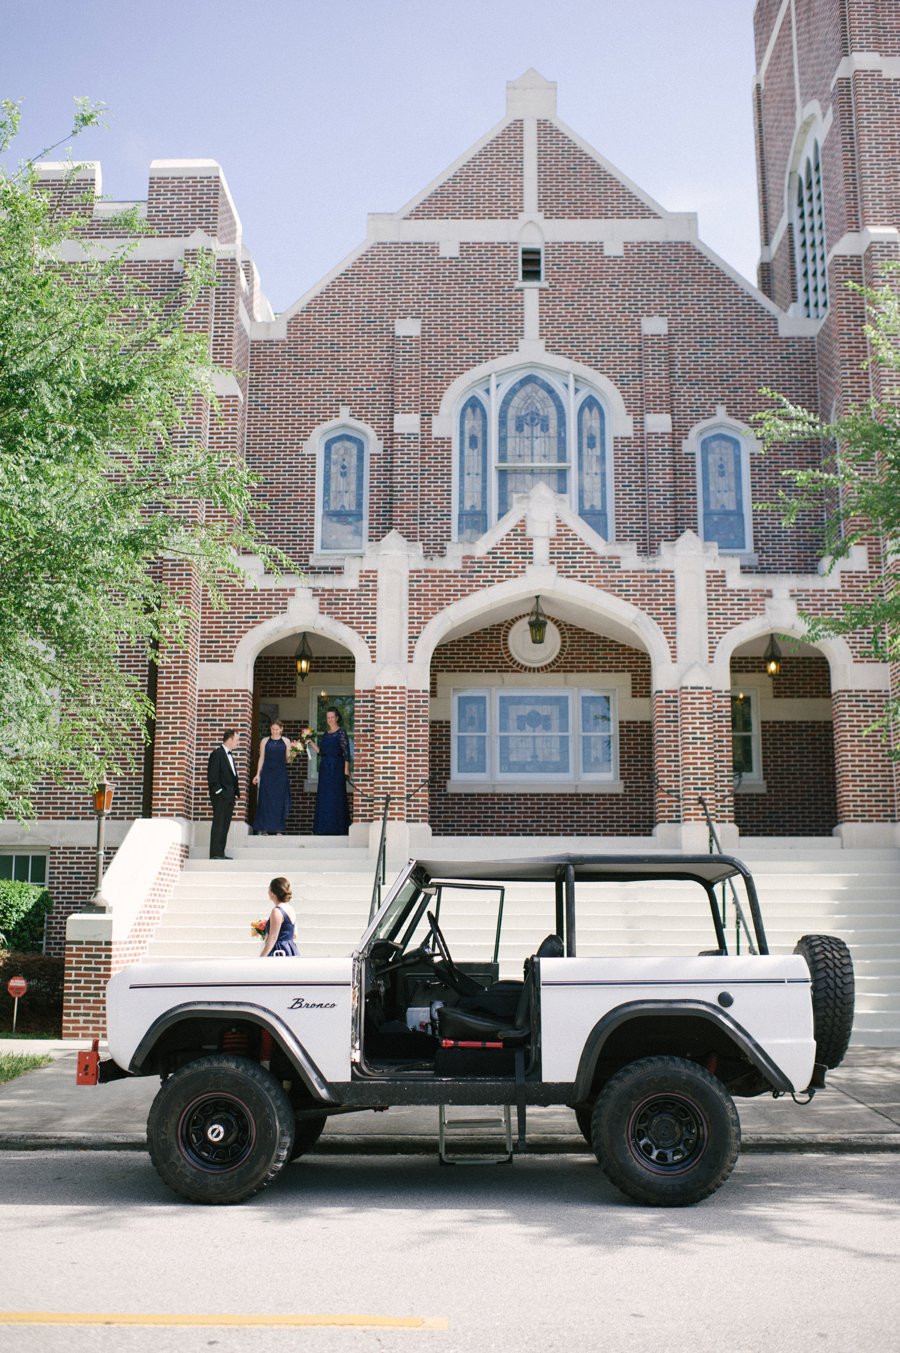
(322, 112)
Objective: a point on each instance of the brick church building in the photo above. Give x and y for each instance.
(532, 387)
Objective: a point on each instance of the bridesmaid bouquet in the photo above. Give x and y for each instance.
(300, 743)
(258, 928)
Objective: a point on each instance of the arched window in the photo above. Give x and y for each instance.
(473, 469)
(724, 491)
(532, 441)
(342, 493)
(514, 431)
(592, 485)
(809, 235)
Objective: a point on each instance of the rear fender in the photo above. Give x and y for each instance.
(634, 1010)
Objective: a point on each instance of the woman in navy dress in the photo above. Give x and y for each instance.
(280, 939)
(332, 809)
(274, 803)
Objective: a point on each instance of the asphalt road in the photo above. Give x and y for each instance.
(796, 1252)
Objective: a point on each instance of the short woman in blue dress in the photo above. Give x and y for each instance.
(280, 941)
(332, 809)
(274, 803)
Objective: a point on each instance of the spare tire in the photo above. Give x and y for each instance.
(831, 969)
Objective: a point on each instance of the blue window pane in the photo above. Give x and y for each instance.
(6, 866)
(39, 869)
(20, 868)
(343, 478)
(532, 434)
(471, 734)
(596, 735)
(723, 491)
(534, 734)
(592, 504)
(472, 470)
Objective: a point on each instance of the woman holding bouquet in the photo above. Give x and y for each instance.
(280, 940)
(274, 803)
(332, 809)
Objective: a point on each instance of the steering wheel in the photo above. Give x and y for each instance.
(440, 945)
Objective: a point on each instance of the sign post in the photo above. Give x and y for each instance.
(16, 986)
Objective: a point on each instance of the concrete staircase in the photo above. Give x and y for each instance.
(805, 887)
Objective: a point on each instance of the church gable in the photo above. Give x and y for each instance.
(488, 186)
(573, 185)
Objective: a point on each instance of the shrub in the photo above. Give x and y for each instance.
(23, 907)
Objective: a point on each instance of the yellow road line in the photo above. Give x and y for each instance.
(394, 1322)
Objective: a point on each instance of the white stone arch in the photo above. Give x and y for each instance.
(532, 357)
(484, 604)
(835, 650)
(301, 614)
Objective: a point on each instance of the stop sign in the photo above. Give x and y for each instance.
(17, 986)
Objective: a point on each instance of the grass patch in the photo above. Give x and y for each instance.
(13, 1064)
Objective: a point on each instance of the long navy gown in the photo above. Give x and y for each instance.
(274, 802)
(332, 809)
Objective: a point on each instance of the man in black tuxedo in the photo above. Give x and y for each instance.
(224, 788)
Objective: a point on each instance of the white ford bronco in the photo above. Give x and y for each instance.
(648, 1049)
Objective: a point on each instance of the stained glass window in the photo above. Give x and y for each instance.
(471, 734)
(533, 734)
(723, 492)
(532, 440)
(473, 470)
(592, 504)
(343, 481)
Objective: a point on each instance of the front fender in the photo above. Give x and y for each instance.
(614, 1020)
(284, 1036)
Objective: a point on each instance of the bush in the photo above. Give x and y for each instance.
(23, 907)
(40, 1009)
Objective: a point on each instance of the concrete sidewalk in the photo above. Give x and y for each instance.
(858, 1111)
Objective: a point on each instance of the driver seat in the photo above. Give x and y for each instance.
(458, 1024)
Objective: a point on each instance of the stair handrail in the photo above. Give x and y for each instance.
(381, 856)
(740, 919)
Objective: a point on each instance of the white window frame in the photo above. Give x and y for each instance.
(754, 693)
(573, 391)
(316, 446)
(493, 779)
(693, 445)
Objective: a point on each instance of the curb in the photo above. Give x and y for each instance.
(382, 1145)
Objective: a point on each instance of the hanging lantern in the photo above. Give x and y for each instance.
(772, 657)
(537, 623)
(303, 658)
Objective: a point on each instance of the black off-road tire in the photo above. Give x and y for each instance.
(220, 1129)
(307, 1132)
(665, 1131)
(833, 994)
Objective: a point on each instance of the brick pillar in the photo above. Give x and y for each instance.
(176, 706)
(214, 712)
(705, 740)
(666, 758)
(88, 968)
(864, 771)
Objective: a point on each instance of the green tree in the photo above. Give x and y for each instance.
(100, 479)
(856, 487)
